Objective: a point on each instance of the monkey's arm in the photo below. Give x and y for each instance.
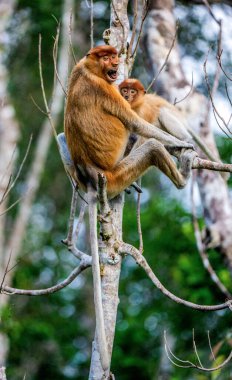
(136, 124)
(139, 126)
(170, 122)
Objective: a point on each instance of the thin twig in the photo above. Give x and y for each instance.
(190, 364)
(44, 93)
(5, 272)
(215, 111)
(168, 349)
(222, 68)
(230, 101)
(80, 221)
(70, 38)
(138, 212)
(6, 172)
(165, 61)
(144, 15)
(37, 106)
(134, 28)
(18, 172)
(69, 239)
(55, 50)
(11, 206)
(91, 25)
(185, 97)
(210, 11)
(210, 346)
(195, 350)
(201, 251)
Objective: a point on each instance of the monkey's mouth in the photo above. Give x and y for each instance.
(112, 74)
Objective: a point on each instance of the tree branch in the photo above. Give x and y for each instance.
(140, 259)
(82, 266)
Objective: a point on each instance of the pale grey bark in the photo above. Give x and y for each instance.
(160, 29)
(2, 373)
(9, 128)
(9, 135)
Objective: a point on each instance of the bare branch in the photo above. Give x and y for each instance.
(222, 68)
(134, 28)
(11, 206)
(138, 212)
(215, 111)
(69, 239)
(200, 163)
(140, 259)
(91, 24)
(82, 266)
(70, 38)
(80, 221)
(210, 345)
(37, 106)
(55, 50)
(5, 271)
(144, 15)
(211, 12)
(9, 188)
(43, 90)
(166, 60)
(195, 350)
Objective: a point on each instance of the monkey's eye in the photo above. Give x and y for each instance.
(113, 56)
(133, 92)
(105, 58)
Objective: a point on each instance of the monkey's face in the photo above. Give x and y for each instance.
(109, 66)
(130, 94)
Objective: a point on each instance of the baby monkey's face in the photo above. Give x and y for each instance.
(129, 94)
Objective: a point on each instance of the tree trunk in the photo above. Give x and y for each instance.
(159, 34)
(8, 138)
(9, 135)
(110, 260)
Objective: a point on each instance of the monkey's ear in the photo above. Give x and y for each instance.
(145, 91)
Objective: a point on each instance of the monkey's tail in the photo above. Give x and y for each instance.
(100, 326)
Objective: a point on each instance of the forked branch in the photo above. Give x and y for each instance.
(188, 364)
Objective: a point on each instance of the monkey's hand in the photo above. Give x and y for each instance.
(177, 151)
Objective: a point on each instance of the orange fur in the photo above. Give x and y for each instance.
(154, 109)
(98, 122)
